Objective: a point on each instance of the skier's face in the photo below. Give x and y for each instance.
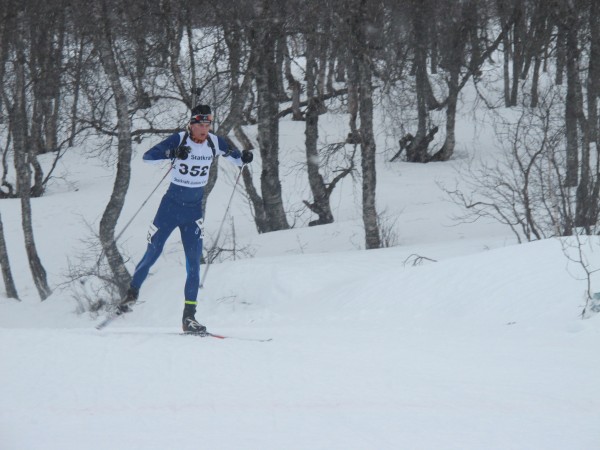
(199, 131)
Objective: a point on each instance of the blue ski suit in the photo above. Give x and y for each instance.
(181, 206)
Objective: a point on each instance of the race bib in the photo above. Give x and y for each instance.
(193, 171)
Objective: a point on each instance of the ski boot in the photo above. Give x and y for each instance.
(189, 324)
(130, 298)
(192, 326)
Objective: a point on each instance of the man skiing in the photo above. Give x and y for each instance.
(192, 153)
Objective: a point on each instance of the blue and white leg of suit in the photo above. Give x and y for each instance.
(187, 218)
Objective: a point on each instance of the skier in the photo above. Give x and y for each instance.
(192, 153)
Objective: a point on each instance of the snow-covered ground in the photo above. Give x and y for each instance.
(478, 347)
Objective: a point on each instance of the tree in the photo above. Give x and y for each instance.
(463, 51)
(360, 20)
(22, 155)
(105, 24)
(265, 30)
(420, 10)
(321, 194)
(9, 283)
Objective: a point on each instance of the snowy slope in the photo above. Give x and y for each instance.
(484, 351)
(481, 349)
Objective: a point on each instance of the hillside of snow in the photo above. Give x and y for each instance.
(454, 338)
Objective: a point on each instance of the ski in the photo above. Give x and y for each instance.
(219, 336)
(108, 320)
(114, 315)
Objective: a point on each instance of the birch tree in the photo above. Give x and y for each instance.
(22, 156)
(360, 28)
(265, 30)
(104, 26)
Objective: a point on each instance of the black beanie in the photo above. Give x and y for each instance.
(201, 114)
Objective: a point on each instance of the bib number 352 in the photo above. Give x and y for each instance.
(194, 171)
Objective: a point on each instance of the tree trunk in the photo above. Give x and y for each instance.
(76, 90)
(415, 151)
(296, 88)
(561, 55)
(503, 10)
(518, 49)
(260, 216)
(447, 149)
(571, 104)
(9, 283)
(243, 139)
(506, 69)
(280, 52)
(535, 81)
(362, 61)
(593, 79)
(172, 21)
(103, 44)
(320, 204)
(368, 152)
(589, 184)
(265, 38)
(22, 165)
(352, 84)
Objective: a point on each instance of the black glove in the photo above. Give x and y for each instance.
(247, 156)
(182, 152)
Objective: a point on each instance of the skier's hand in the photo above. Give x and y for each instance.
(182, 151)
(247, 156)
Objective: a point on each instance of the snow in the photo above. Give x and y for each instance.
(479, 344)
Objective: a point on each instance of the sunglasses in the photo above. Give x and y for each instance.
(201, 118)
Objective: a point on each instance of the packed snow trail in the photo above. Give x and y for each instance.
(485, 351)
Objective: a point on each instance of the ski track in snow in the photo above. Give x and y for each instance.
(385, 361)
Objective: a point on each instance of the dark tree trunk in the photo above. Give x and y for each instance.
(47, 30)
(104, 46)
(9, 283)
(504, 13)
(362, 61)
(352, 84)
(368, 152)
(506, 69)
(320, 204)
(561, 55)
(517, 54)
(535, 98)
(571, 102)
(589, 184)
(260, 216)
(22, 165)
(173, 22)
(593, 79)
(416, 152)
(265, 38)
(243, 139)
(76, 90)
(536, 45)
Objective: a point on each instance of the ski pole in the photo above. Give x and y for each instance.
(131, 220)
(143, 204)
(214, 246)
